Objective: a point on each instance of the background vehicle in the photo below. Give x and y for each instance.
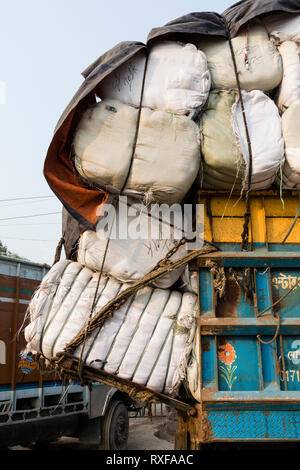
(34, 405)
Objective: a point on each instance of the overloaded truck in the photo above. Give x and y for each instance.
(35, 406)
(207, 112)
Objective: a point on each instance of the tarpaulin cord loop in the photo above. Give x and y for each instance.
(245, 234)
(58, 249)
(277, 315)
(276, 333)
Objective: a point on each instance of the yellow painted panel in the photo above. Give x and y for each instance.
(277, 229)
(207, 227)
(274, 207)
(223, 206)
(266, 217)
(228, 230)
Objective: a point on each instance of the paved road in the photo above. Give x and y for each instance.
(141, 437)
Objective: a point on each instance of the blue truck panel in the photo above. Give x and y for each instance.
(249, 358)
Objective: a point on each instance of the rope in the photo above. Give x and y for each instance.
(275, 335)
(245, 234)
(114, 304)
(277, 315)
(137, 125)
(81, 362)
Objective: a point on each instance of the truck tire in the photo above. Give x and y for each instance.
(115, 427)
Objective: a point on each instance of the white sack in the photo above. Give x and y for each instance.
(147, 340)
(291, 135)
(181, 345)
(224, 142)
(264, 126)
(129, 259)
(64, 309)
(103, 147)
(265, 68)
(43, 299)
(104, 141)
(147, 323)
(127, 330)
(223, 165)
(157, 341)
(289, 90)
(189, 281)
(157, 377)
(177, 79)
(283, 27)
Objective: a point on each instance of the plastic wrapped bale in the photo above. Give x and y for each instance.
(290, 128)
(223, 164)
(148, 340)
(289, 91)
(177, 79)
(104, 144)
(130, 256)
(265, 69)
(224, 143)
(283, 27)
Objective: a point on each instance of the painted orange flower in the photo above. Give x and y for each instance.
(227, 354)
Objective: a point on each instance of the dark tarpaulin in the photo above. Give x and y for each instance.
(80, 200)
(242, 12)
(71, 230)
(98, 70)
(188, 26)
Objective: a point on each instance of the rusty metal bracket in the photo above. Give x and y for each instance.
(67, 366)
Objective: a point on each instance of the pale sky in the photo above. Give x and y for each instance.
(44, 46)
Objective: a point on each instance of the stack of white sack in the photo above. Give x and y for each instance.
(177, 79)
(283, 27)
(148, 340)
(223, 164)
(284, 30)
(265, 69)
(289, 91)
(224, 144)
(166, 158)
(137, 242)
(290, 177)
